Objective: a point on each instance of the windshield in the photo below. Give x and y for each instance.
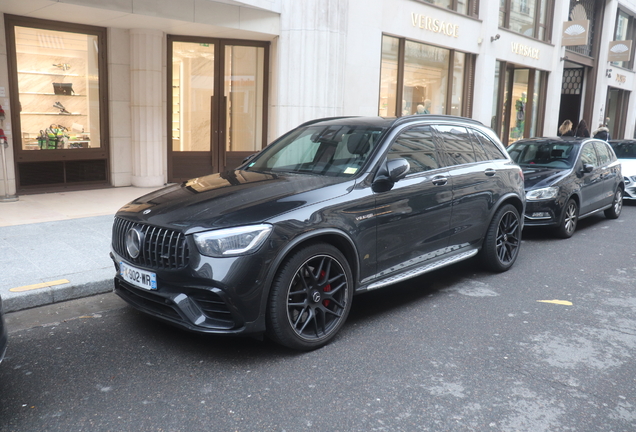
(557, 154)
(334, 150)
(625, 150)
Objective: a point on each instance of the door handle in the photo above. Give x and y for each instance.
(440, 180)
(490, 172)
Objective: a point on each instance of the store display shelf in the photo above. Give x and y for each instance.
(53, 114)
(50, 73)
(50, 94)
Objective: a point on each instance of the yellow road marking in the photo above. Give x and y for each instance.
(559, 302)
(40, 285)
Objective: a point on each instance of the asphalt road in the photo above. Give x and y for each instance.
(455, 350)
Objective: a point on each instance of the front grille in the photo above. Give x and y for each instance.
(161, 248)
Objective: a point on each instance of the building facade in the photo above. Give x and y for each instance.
(99, 93)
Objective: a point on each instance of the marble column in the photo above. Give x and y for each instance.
(146, 88)
(310, 61)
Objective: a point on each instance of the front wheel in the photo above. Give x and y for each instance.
(310, 297)
(569, 220)
(503, 239)
(617, 205)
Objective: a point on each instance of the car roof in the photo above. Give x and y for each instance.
(386, 122)
(565, 140)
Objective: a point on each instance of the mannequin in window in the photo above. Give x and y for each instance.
(520, 106)
(427, 107)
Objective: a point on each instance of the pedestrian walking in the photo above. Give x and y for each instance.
(602, 133)
(565, 129)
(581, 130)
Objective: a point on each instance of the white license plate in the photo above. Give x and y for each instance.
(139, 278)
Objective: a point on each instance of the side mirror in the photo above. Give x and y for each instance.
(588, 168)
(389, 173)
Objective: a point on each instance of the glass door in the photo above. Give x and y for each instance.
(616, 108)
(243, 91)
(217, 97)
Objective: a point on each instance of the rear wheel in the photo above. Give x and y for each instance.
(310, 297)
(569, 220)
(503, 239)
(617, 205)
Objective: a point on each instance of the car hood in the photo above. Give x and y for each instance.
(628, 167)
(230, 199)
(539, 177)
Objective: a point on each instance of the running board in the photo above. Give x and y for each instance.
(421, 270)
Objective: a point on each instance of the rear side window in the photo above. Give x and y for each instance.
(588, 155)
(493, 152)
(457, 144)
(417, 146)
(604, 155)
(625, 149)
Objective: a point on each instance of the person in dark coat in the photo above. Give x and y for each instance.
(565, 129)
(602, 133)
(582, 130)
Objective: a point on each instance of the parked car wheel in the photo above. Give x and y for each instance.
(569, 220)
(310, 297)
(502, 241)
(617, 205)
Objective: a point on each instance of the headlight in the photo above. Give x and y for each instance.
(232, 241)
(542, 194)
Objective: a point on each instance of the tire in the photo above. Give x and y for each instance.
(310, 297)
(569, 220)
(503, 239)
(617, 205)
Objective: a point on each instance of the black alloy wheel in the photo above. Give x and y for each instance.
(503, 239)
(310, 297)
(569, 220)
(617, 205)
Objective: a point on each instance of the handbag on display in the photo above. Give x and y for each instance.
(65, 89)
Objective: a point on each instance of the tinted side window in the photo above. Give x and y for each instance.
(418, 147)
(604, 155)
(457, 144)
(588, 155)
(492, 150)
(478, 149)
(625, 149)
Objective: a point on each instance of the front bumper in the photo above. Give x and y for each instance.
(630, 188)
(188, 299)
(542, 213)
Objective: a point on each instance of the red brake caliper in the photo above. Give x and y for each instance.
(327, 288)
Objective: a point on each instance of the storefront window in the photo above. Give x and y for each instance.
(458, 78)
(388, 81)
(527, 17)
(624, 31)
(518, 102)
(538, 86)
(58, 85)
(466, 7)
(425, 79)
(425, 86)
(495, 118)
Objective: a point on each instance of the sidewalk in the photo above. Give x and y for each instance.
(55, 247)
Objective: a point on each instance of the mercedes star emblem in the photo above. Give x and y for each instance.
(133, 242)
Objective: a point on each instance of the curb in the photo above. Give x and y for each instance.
(100, 282)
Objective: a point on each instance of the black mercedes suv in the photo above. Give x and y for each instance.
(333, 208)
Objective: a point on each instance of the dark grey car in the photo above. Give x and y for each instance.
(3, 333)
(334, 208)
(567, 179)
